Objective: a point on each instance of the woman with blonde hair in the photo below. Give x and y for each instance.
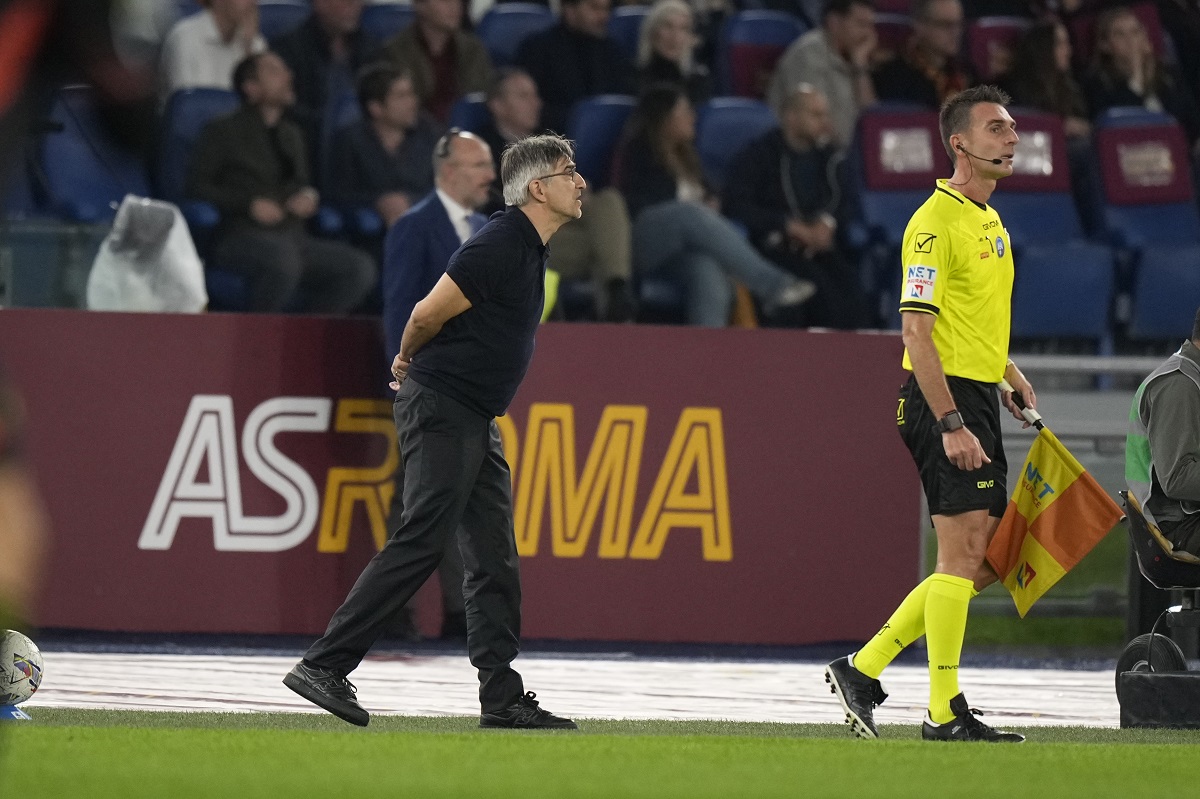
(666, 48)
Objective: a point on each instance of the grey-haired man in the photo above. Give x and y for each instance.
(464, 353)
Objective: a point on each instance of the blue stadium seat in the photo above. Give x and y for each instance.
(724, 126)
(749, 44)
(186, 114)
(385, 20)
(86, 173)
(470, 112)
(1149, 209)
(625, 28)
(1064, 284)
(505, 26)
(277, 17)
(595, 126)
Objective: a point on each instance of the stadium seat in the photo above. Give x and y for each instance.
(505, 26)
(86, 173)
(595, 125)
(1149, 210)
(1064, 283)
(724, 126)
(892, 166)
(186, 114)
(750, 43)
(383, 21)
(990, 44)
(470, 112)
(625, 28)
(277, 17)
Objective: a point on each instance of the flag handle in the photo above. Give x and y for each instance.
(1031, 416)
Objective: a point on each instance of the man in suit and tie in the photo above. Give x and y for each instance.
(415, 255)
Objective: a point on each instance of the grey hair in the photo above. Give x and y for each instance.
(654, 17)
(530, 158)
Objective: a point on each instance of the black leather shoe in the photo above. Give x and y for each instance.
(859, 695)
(524, 714)
(965, 727)
(328, 690)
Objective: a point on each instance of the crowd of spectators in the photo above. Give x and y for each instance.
(774, 231)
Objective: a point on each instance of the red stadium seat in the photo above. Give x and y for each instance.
(750, 44)
(990, 43)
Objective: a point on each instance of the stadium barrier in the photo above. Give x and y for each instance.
(231, 474)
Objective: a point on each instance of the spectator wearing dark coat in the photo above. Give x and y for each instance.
(253, 167)
(324, 53)
(384, 161)
(666, 50)
(929, 69)
(788, 194)
(575, 59)
(445, 61)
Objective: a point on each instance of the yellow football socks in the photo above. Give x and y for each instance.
(906, 625)
(945, 623)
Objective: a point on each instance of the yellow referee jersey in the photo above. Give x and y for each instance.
(958, 266)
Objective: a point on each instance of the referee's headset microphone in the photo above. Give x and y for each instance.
(962, 149)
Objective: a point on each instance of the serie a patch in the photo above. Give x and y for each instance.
(919, 283)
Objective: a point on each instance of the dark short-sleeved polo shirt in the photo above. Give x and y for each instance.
(480, 356)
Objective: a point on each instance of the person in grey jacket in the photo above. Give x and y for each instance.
(1162, 452)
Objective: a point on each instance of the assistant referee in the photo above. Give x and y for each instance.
(956, 307)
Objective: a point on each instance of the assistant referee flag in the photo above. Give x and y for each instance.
(1057, 513)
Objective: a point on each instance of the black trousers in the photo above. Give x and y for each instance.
(455, 478)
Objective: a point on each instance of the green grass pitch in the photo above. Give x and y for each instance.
(93, 754)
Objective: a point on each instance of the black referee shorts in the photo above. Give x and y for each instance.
(949, 489)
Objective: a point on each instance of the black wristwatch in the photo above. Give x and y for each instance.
(949, 423)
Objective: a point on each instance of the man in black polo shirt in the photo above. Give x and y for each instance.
(463, 355)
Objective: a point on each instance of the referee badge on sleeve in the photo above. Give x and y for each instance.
(923, 242)
(919, 282)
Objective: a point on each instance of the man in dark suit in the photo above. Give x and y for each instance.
(575, 59)
(252, 165)
(416, 252)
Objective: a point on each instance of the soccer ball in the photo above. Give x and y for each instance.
(20, 668)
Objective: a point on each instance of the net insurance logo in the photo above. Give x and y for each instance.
(202, 480)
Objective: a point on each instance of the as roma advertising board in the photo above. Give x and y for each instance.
(229, 473)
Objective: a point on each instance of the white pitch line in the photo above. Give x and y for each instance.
(624, 688)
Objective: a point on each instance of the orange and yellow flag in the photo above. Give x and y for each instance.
(1057, 513)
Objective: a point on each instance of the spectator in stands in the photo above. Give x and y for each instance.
(324, 53)
(676, 230)
(1042, 78)
(594, 247)
(788, 194)
(252, 165)
(929, 70)
(201, 50)
(666, 50)
(1181, 20)
(383, 161)
(575, 59)
(835, 59)
(445, 61)
(1125, 72)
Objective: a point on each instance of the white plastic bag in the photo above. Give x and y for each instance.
(148, 262)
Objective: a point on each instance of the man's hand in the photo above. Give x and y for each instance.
(1020, 386)
(392, 206)
(303, 203)
(860, 56)
(399, 371)
(266, 212)
(964, 450)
